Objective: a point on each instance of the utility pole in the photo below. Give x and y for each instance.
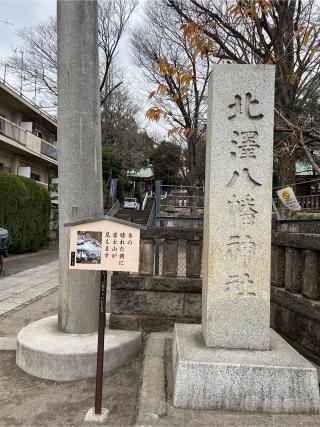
(80, 170)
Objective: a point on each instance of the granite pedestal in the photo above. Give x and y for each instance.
(46, 352)
(278, 380)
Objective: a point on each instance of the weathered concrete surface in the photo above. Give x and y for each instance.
(293, 270)
(8, 343)
(79, 154)
(147, 414)
(296, 240)
(154, 303)
(30, 401)
(18, 289)
(303, 333)
(278, 263)
(275, 381)
(152, 398)
(156, 283)
(92, 417)
(16, 263)
(12, 322)
(46, 352)
(147, 324)
(237, 220)
(310, 275)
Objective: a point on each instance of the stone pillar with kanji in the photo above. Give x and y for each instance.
(234, 361)
(237, 238)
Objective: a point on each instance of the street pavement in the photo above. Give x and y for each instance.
(17, 263)
(19, 288)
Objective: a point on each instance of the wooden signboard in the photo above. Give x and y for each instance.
(106, 244)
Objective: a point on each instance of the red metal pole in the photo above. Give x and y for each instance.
(100, 351)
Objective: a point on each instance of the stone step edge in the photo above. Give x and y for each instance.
(152, 402)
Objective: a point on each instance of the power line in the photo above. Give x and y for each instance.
(6, 22)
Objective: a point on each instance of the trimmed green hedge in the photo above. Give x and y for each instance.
(25, 211)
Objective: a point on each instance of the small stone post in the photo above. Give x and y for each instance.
(146, 266)
(79, 155)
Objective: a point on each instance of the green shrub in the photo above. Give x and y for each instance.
(25, 211)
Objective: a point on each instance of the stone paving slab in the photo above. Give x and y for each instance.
(19, 263)
(155, 406)
(18, 289)
(29, 401)
(8, 343)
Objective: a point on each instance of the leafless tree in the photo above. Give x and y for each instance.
(36, 60)
(113, 19)
(120, 129)
(179, 76)
(281, 32)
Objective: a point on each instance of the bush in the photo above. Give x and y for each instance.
(25, 211)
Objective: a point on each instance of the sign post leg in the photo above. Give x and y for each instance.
(100, 352)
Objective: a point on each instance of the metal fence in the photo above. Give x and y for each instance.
(179, 206)
(310, 203)
(304, 221)
(183, 207)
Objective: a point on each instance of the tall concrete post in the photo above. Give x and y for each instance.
(79, 136)
(70, 350)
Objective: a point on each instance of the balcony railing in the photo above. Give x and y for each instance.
(49, 150)
(27, 139)
(12, 131)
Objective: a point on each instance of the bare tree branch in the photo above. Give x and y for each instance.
(35, 61)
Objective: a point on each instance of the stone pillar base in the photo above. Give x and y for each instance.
(277, 381)
(46, 352)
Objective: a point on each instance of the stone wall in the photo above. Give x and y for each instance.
(154, 303)
(295, 291)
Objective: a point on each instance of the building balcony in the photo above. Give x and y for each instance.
(27, 140)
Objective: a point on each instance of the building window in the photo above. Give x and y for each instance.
(35, 176)
(37, 132)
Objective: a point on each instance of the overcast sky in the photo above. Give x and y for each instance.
(18, 14)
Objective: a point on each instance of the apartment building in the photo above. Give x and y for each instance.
(28, 138)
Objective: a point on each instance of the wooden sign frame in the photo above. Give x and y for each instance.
(105, 244)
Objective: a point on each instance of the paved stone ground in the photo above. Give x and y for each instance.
(17, 289)
(16, 263)
(43, 306)
(155, 401)
(29, 401)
